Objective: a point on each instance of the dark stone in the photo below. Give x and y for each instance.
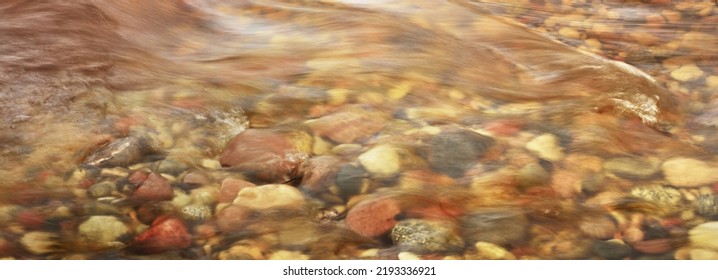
(349, 180)
(423, 237)
(453, 153)
(499, 226)
(123, 152)
(611, 249)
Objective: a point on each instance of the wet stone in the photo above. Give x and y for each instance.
(123, 152)
(103, 232)
(631, 168)
(502, 227)
(453, 153)
(613, 249)
(425, 236)
(101, 189)
(707, 205)
(349, 180)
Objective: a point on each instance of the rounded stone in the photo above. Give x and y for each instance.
(270, 196)
(426, 236)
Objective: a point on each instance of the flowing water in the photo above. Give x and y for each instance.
(347, 129)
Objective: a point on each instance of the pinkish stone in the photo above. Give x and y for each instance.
(154, 188)
(373, 218)
(229, 189)
(166, 233)
(271, 155)
(347, 126)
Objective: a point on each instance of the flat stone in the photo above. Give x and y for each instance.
(453, 153)
(382, 160)
(688, 172)
(497, 226)
(631, 168)
(102, 232)
(426, 236)
(270, 196)
(546, 146)
(271, 155)
(373, 218)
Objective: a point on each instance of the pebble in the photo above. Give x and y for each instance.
(613, 249)
(155, 188)
(122, 152)
(101, 189)
(230, 187)
(707, 205)
(373, 218)
(546, 146)
(232, 218)
(490, 251)
(664, 196)
(320, 173)
(499, 226)
(166, 233)
(270, 196)
(381, 161)
(688, 172)
(704, 236)
(347, 126)
(426, 236)
(631, 168)
(39, 242)
(103, 232)
(687, 73)
(453, 153)
(271, 155)
(598, 228)
(349, 180)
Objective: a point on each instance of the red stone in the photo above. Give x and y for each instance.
(268, 154)
(373, 218)
(230, 188)
(155, 188)
(232, 218)
(166, 233)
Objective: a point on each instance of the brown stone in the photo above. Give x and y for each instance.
(373, 218)
(155, 188)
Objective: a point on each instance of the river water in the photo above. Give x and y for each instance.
(358, 129)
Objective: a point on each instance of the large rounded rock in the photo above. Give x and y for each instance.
(688, 172)
(270, 196)
(373, 218)
(102, 232)
(453, 153)
(498, 226)
(271, 155)
(426, 236)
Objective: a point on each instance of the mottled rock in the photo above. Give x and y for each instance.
(688, 172)
(101, 189)
(233, 218)
(426, 236)
(453, 153)
(705, 235)
(271, 155)
(498, 226)
(319, 173)
(154, 188)
(546, 146)
(103, 232)
(613, 249)
(230, 188)
(347, 126)
(598, 227)
(664, 196)
(631, 168)
(382, 160)
(373, 218)
(707, 205)
(166, 233)
(349, 180)
(490, 251)
(123, 152)
(270, 196)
